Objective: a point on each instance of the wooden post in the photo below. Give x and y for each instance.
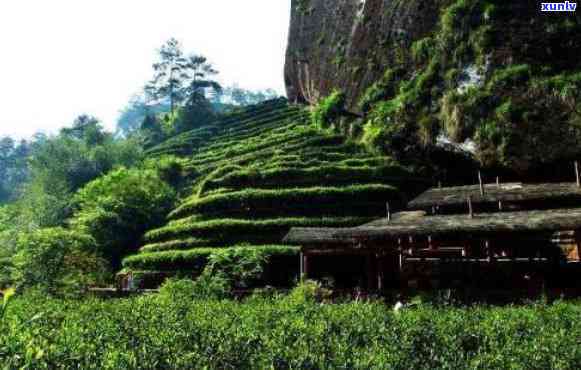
(379, 271)
(439, 184)
(301, 266)
(578, 242)
(577, 174)
(306, 266)
(498, 181)
(480, 183)
(488, 250)
(500, 205)
(388, 211)
(400, 255)
(470, 210)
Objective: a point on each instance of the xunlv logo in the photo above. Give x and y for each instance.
(558, 7)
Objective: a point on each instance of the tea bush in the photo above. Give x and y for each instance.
(252, 175)
(187, 290)
(229, 229)
(154, 332)
(287, 202)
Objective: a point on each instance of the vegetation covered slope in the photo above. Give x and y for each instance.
(255, 174)
(499, 76)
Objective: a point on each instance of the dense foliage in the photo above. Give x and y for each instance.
(62, 164)
(176, 331)
(503, 88)
(13, 167)
(119, 207)
(56, 260)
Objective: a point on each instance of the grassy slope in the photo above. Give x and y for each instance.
(259, 172)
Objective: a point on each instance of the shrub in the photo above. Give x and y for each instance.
(119, 207)
(56, 260)
(150, 333)
(193, 260)
(328, 109)
(206, 287)
(176, 245)
(349, 172)
(241, 265)
(253, 201)
(244, 267)
(309, 292)
(422, 49)
(170, 169)
(384, 89)
(229, 229)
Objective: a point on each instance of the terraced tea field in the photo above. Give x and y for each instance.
(257, 173)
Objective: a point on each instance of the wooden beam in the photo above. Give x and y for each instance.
(344, 251)
(471, 260)
(480, 183)
(470, 210)
(306, 266)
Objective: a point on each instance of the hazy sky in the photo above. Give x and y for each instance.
(60, 58)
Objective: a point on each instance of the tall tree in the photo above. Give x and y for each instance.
(170, 76)
(88, 129)
(201, 84)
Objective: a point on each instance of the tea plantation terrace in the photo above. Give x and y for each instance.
(255, 174)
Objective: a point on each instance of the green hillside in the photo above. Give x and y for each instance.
(258, 172)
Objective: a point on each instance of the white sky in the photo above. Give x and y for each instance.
(61, 58)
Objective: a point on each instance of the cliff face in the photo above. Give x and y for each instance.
(498, 75)
(348, 44)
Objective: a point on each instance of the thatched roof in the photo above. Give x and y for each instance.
(459, 225)
(509, 192)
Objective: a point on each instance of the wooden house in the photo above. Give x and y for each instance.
(488, 236)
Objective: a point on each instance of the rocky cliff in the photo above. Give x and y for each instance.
(348, 44)
(499, 75)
